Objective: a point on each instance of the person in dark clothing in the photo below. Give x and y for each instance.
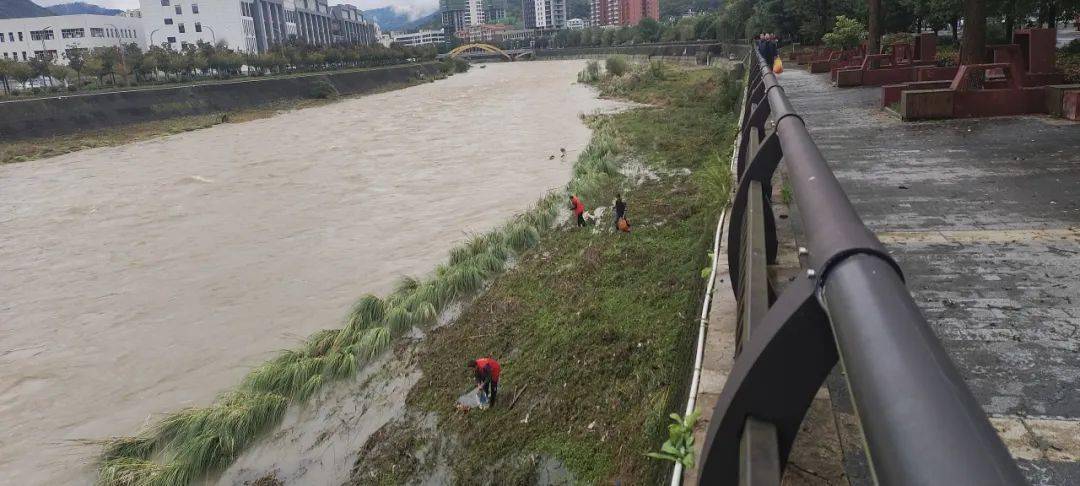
(579, 210)
(620, 209)
(768, 49)
(486, 371)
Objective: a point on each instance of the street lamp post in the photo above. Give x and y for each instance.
(45, 53)
(213, 35)
(152, 32)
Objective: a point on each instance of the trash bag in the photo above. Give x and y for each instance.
(623, 225)
(777, 66)
(474, 398)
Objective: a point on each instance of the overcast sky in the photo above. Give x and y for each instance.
(415, 8)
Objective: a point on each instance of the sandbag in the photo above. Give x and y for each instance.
(777, 66)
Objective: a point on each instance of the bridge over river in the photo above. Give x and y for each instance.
(983, 218)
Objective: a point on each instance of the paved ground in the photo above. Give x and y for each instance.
(984, 217)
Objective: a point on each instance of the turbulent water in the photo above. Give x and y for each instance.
(139, 279)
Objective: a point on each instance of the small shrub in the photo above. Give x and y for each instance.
(15, 92)
(846, 34)
(890, 39)
(72, 88)
(616, 65)
(1073, 47)
(680, 444)
(948, 55)
(35, 90)
(323, 90)
(54, 89)
(453, 65)
(657, 70)
(1070, 65)
(591, 74)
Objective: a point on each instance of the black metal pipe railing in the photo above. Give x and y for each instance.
(920, 422)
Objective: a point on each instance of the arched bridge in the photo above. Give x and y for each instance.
(467, 51)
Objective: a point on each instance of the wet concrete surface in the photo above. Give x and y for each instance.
(984, 217)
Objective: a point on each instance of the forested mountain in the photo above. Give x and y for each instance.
(76, 8)
(14, 9)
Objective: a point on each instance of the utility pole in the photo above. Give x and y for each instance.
(973, 47)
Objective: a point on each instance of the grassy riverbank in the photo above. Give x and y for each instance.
(595, 328)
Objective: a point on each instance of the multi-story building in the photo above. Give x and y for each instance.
(605, 12)
(575, 24)
(25, 38)
(253, 25)
(634, 11)
(418, 38)
(350, 26)
(544, 14)
(494, 33)
(457, 15)
(623, 12)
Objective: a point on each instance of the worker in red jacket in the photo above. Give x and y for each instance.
(579, 210)
(486, 371)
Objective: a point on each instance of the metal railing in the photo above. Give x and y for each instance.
(920, 423)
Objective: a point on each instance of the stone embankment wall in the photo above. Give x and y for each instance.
(68, 114)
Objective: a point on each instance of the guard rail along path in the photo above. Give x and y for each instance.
(920, 422)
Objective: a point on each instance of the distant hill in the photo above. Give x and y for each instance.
(14, 9)
(390, 18)
(78, 8)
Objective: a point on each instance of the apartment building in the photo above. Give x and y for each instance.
(605, 12)
(458, 15)
(623, 12)
(25, 38)
(634, 11)
(544, 14)
(253, 25)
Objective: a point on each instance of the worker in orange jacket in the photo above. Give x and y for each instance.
(579, 210)
(486, 371)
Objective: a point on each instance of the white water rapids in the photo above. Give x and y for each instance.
(140, 279)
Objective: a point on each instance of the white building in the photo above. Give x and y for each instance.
(544, 14)
(26, 38)
(419, 38)
(575, 24)
(176, 23)
(253, 25)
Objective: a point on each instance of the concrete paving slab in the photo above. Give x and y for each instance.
(983, 216)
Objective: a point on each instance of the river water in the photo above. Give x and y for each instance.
(139, 279)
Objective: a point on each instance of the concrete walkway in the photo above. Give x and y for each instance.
(984, 217)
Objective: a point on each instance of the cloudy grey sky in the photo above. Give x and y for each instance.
(415, 8)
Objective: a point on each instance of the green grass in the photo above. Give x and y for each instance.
(598, 326)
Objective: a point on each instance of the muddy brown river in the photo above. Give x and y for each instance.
(139, 279)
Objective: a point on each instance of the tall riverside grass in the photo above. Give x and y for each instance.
(186, 445)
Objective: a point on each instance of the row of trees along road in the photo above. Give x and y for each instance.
(128, 64)
(807, 21)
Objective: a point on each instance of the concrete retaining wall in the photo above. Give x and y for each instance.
(68, 114)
